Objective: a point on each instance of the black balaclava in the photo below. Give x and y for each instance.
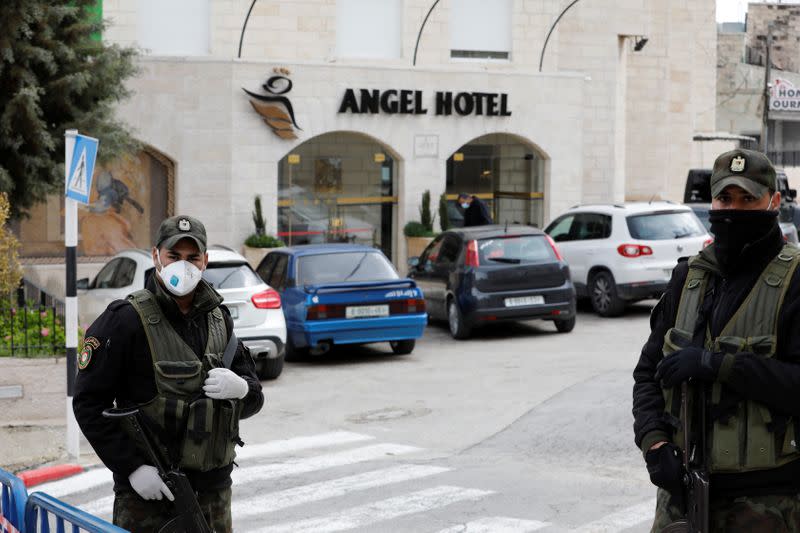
(736, 229)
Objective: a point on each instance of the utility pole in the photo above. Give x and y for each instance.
(767, 87)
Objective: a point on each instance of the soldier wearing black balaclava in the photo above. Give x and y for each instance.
(727, 324)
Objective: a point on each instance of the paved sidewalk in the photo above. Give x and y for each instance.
(31, 444)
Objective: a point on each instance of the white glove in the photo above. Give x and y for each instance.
(224, 384)
(148, 484)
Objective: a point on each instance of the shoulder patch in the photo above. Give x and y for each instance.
(90, 344)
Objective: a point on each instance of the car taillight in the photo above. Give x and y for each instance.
(402, 307)
(554, 247)
(472, 259)
(708, 242)
(322, 312)
(269, 299)
(634, 250)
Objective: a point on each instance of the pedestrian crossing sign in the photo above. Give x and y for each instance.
(81, 168)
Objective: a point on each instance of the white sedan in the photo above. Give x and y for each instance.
(255, 307)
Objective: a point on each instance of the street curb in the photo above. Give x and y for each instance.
(44, 474)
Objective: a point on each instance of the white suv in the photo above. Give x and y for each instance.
(255, 307)
(619, 253)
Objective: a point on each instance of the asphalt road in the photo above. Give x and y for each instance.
(519, 428)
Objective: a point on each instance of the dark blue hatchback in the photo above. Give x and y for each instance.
(343, 294)
(480, 275)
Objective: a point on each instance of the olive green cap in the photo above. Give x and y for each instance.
(748, 169)
(180, 227)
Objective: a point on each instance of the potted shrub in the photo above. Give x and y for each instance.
(419, 234)
(258, 244)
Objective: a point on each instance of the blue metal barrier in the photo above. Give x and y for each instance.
(41, 506)
(12, 503)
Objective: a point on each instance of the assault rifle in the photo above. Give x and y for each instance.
(695, 468)
(190, 518)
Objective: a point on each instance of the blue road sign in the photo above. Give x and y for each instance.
(81, 168)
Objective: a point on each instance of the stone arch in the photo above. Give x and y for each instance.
(506, 170)
(339, 186)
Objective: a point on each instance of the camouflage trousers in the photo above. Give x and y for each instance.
(778, 513)
(148, 516)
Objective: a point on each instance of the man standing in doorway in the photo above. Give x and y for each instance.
(476, 213)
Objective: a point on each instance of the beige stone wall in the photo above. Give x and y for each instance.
(629, 121)
(671, 96)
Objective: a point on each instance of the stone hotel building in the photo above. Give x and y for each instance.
(341, 113)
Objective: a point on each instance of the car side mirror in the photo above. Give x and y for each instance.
(82, 284)
(792, 194)
(413, 262)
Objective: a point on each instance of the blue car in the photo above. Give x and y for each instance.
(343, 294)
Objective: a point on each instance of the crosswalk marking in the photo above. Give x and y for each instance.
(280, 447)
(274, 501)
(364, 515)
(319, 462)
(104, 506)
(624, 519)
(80, 483)
(101, 476)
(497, 524)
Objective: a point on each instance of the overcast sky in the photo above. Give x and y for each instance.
(734, 10)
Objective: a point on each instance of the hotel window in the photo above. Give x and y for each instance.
(480, 29)
(174, 28)
(369, 28)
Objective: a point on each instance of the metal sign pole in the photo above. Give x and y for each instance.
(71, 300)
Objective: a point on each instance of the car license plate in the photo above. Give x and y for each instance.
(367, 311)
(524, 300)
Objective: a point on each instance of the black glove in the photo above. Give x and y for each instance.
(665, 466)
(688, 363)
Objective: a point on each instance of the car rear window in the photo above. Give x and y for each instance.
(516, 249)
(346, 266)
(231, 276)
(665, 225)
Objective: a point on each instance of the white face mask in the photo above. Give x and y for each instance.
(180, 277)
(465, 205)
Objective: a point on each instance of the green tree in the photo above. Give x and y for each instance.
(10, 271)
(425, 215)
(258, 217)
(444, 216)
(54, 76)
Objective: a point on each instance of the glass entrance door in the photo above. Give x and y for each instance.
(338, 187)
(504, 173)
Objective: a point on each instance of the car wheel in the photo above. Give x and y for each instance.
(458, 328)
(292, 353)
(566, 325)
(269, 368)
(403, 347)
(603, 293)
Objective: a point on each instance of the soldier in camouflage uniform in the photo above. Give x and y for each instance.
(161, 350)
(727, 322)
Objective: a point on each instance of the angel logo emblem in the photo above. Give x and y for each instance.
(275, 108)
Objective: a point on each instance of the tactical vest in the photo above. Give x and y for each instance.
(745, 440)
(196, 432)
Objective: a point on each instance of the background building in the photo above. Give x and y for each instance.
(340, 113)
(741, 76)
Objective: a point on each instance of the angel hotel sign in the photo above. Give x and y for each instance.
(411, 102)
(277, 110)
